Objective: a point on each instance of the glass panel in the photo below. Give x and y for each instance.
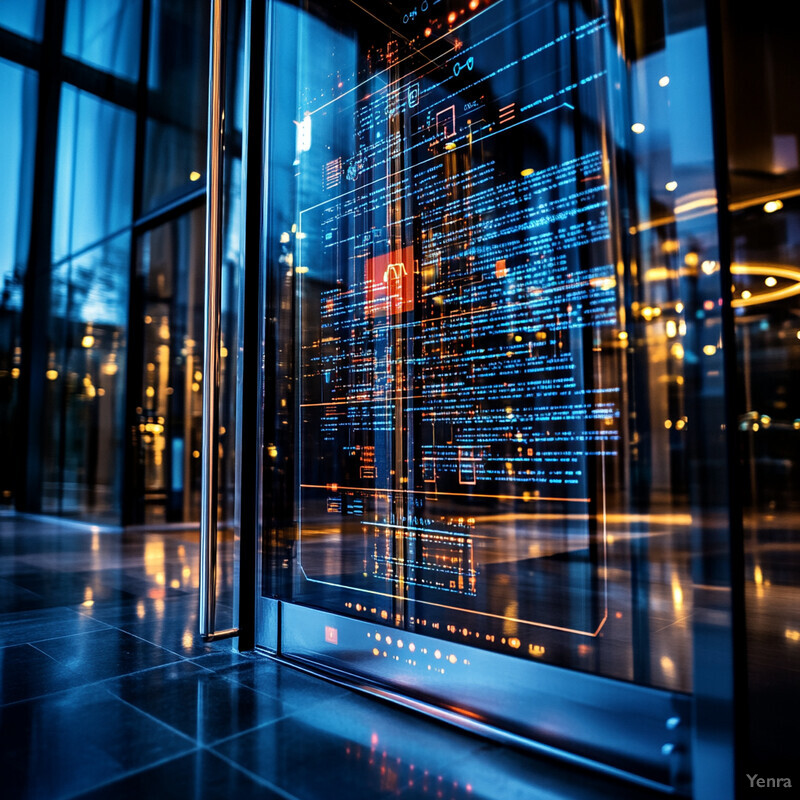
(764, 132)
(84, 387)
(493, 329)
(170, 412)
(105, 34)
(87, 324)
(25, 18)
(175, 152)
(94, 173)
(18, 96)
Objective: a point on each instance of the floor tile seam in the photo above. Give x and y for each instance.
(105, 625)
(127, 633)
(86, 685)
(259, 727)
(148, 641)
(141, 671)
(160, 722)
(130, 773)
(277, 695)
(156, 644)
(252, 775)
(36, 610)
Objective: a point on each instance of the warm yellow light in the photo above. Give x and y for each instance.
(708, 267)
(709, 349)
(51, 374)
(150, 391)
(472, 6)
(195, 454)
(680, 424)
(526, 172)
(663, 81)
(771, 206)
(746, 295)
(195, 387)
(623, 335)
(692, 259)
(638, 127)
(677, 593)
(87, 341)
(450, 146)
(110, 368)
(770, 281)
(672, 329)
(671, 186)
(194, 175)
(677, 350)
(667, 423)
(301, 270)
(15, 372)
(198, 376)
(679, 307)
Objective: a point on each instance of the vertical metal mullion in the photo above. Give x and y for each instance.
(37, 280)
(737, 641)
(132, 489)
(211, 333)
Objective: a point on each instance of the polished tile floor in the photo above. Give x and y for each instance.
(107, 691)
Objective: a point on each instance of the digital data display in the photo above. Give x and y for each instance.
(454, 288)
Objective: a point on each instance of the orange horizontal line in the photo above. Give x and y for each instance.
(449, 494)
(395, 399)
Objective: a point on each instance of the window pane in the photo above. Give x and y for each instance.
(170, 407)
(18, 95)
(764, 162)
(175, 154)
(105, 34)
(84, 386)
(94, 171)
(23, 16)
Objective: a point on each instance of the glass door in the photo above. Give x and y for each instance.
(494, 473)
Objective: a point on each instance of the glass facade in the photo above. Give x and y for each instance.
(764, 173)
(25, 19)
(18, 87)
(101, 332)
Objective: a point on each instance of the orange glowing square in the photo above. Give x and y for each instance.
(500, 270)
(390, 283)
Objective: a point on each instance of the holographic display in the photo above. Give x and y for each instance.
(454, 284)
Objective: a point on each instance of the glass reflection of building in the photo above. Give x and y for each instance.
(102, 256)
(102, 159)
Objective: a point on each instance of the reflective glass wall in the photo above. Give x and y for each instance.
(764, 167)
(18, 87)
(101, 305)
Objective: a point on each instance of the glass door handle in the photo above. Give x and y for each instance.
(211, 331)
